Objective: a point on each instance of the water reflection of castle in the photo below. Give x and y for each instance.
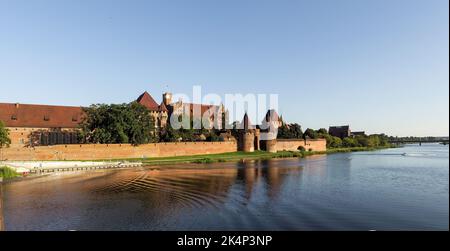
(200, 187)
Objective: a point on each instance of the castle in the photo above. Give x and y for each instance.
(162, 112)
(46, 132)
(31, 124)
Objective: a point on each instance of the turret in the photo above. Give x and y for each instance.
(246, 136)
(167, 98)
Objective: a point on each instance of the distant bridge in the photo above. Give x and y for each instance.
(418, 141)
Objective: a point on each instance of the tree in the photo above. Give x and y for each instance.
(118, 123)
(296, 130)
(5, 141)
(322, 131)
(336, 142)
(291, 131)
(350, 142)
(310, 133)
(362, 140)
(212, 136)
(283, 132)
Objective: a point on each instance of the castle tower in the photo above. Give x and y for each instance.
(246, 136)
(271, 123)
(269, 145)
(167, 98)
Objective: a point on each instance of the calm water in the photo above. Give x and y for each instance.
(404, 188)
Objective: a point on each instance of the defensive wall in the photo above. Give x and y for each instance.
(119, 151)
(295, 144)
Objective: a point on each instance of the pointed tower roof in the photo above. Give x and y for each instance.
(246, 122)
(272, 115)
(163, 107)
(146, 100)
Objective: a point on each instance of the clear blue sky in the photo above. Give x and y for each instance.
(378, 65)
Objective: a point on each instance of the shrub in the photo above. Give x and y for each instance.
(204, 160)
(7, 172)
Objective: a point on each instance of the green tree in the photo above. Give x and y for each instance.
(212, 136)
(283, 132)
(350, 142)
(362, 140)
(322, 131)
(169, 135)
(310, 133)
(291, 131)
(118, 123)
(5, 141)
(336, 142)
(296, 130)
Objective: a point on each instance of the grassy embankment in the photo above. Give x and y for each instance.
(240, 156)
(7, 173)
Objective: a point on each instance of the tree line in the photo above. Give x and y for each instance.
(294, 131)
(132, 123)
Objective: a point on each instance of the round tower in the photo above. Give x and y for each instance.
(246, 136)
(247, 141)
(270, 145)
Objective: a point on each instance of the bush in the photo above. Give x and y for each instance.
(7, 172)
(204, 160)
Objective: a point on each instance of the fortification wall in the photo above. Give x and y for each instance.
(294, 144)
(20, 136)
(116, 151)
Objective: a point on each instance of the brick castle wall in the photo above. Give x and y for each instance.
(20, 136)
(294, 144)
(116, 151)
(17, 151)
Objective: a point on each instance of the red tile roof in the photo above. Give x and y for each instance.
(40, 116)
(163, 107)
(146, 100)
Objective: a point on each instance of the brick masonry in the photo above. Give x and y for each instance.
(294, 144)
(117, 151)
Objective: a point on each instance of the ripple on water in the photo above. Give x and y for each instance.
(187, 187)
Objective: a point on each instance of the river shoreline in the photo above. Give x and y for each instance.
(242, 157)
(194, 159)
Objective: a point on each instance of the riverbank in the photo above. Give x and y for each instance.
(40, 167)
(245, 156)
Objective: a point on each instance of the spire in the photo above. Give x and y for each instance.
(246, 122)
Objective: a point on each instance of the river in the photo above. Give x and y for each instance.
(393, 189)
